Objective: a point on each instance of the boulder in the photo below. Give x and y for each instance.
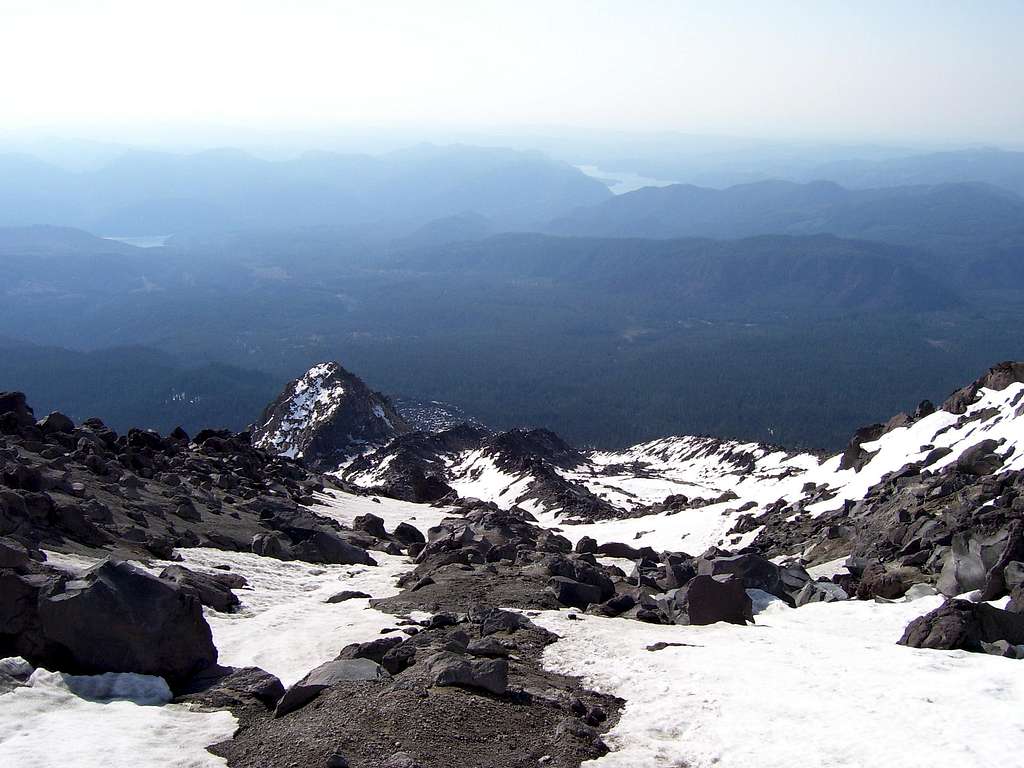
(375, 650)
(878, 581)
(709, 599)
(15, 555)
(968, 562)
(221, 687)
(757, 572)
(1006, 573)
(211, 590)
(446, 668)
(408, 534)
(17, 411)
(625, 551)
(820, 592)
(371, 524)
(980, 459)
(346, 594)
(323, 547)
(488, 647)
(118, 618)
(964, 625)
(56, 422)
(273, 545)
(323, 677)
(573, 593)
(586, 545)
(616, 605)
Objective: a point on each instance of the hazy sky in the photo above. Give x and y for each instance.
(914, 70)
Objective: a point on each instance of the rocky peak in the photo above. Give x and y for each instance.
(325, 416)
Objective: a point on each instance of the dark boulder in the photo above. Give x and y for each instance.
(211, 590)
(371, 524)
(17, 411)
(573, 593)
(56, 422)
(446, 668)
(408, 534)
(710, 599)
(346, 594)
(117, 618)
(323, 677)
(820, 592)
(324, 547)
(223, 687)
(965, 625)
(586, 545)
(980, 459)
(625, 551)
(757, 572)
(273, 545)
(878, 581)
(855, 456)
(616, 605)
(375, 650)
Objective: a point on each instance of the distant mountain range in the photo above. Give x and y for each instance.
(777, 311)
(150, 193)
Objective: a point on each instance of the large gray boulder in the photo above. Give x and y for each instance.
(211, 590)
(118, 618)
(446, 668)
(325, 676)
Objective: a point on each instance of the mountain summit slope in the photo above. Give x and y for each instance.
(323, 415)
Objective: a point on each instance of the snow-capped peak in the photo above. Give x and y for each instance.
(324, 415)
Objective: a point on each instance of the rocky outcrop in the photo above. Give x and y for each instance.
(968, 626)
(326, 415)
(111, 618)
(142, 494)
(998, 377)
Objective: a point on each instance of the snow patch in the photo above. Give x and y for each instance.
(823, 685)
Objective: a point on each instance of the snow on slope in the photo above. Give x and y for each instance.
(996, 415)
(345, 507)
(283, 624)
(697, 467)
(61, 721)
(477, 475)
(705, 468)
(823, 685)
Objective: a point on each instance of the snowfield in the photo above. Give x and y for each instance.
(824, 685)
(705, 468)
(345, 508)
(61, 721)
(284, 625)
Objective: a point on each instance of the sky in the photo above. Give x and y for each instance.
(899, 70)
